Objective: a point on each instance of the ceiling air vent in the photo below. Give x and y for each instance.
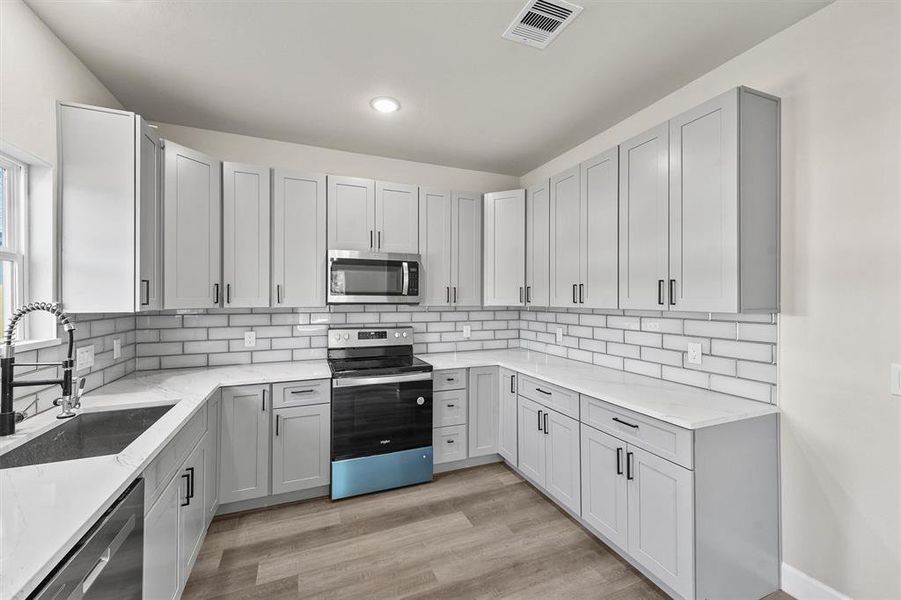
(540, 21)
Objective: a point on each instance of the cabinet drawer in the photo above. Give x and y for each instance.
(552, 396)
(451, 379)
(449, 408)
(663, 439)
(449, 443)
(301, 393)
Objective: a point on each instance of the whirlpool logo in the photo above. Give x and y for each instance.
(385, 442)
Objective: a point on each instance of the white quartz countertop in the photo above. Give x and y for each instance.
(681, 405)
(45, 509)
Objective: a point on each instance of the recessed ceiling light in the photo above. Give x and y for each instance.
(384, 104)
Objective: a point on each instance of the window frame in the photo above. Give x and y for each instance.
(16, 236)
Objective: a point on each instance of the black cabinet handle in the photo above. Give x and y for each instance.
(660, 283)
(302, 391)
(145, 292)
(190, 471)
(447, 289)
(672, 292)
(619, 461)
(545, 424)
(264, 400)
(380, 240)
(512, 384)
(629, 474)
(539, 420)
(528, 293)
(187, 479)
(520, 294)
(455, 294)
(370, 239)
(541, 391)
(450, 441)
(278, 293)
(626, 423)
(581, 293)
(276, 424)
(215, 293)
(228, 293)
(575, 297)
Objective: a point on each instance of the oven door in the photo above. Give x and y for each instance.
(378, 415)
(368, 278)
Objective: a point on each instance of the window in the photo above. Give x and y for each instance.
(13, 276)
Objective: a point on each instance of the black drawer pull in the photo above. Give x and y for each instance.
(539, 420)
(627, 424)
(451, 379)
(309, 391)
(545, 424)
(619, 461)
(629, 474)
(512, 384)
(450, 441)
(451, 405)
(543, 392)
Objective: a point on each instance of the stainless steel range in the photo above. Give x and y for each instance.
(381, 410)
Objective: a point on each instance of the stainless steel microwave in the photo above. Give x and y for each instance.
(373, 278)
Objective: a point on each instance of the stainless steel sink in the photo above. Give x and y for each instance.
(86, 435)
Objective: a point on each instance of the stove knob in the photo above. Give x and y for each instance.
(420, 401)
(397, 335)
(337, 336)
(346, 336)
(405, 334)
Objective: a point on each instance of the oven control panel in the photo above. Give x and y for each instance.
(362, 337)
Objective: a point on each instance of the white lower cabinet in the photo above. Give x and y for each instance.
(483, 411)
(161, 535)
(301, 445)
(562, 480)
(449, 444)
(244, 454)
(506, 431)
(531, 440)
(211, 459)
(604, 491)
(191, 511)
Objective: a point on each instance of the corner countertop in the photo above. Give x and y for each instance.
(45, 509)
(681, 405)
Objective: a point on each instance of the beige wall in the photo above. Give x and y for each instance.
(242, 148)
(839, 75)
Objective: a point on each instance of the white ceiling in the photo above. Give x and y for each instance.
(305, 71)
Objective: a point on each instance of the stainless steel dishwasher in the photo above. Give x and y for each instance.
(107, 563)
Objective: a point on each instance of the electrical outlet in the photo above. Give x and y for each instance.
(467, 332)
(560, 335)
(84, 358)
(117, 348)
(694, 353)
(896, 379)
(250, 339)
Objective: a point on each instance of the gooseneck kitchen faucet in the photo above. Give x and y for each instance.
(8, 416)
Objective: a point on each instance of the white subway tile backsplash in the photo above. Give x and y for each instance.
(715, 329)
(642, 338)
(695, 378)
(744, 350)
(757, 332)
(742, 387)
(713, 364)
(642, 368)
(618, 322)
(666, 357)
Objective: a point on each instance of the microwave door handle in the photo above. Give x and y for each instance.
(406, 267)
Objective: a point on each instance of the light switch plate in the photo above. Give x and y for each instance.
(467, 332)
(84, 358)
(694, 353)
(559, 335)
(896, 379)
(250, 339)
(117, 348)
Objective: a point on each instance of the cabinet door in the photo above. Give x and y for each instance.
(351, 213)
(191, 510)
(466, 251)
(507, 432)
(298, 239)
(245, 235)
(604, 499)
(396, 218)
(644, 220)
(435, 246)
(565, 267)
(661, 518)
(538, 247)
(192, 215)
(244, 458)
(600, 227)
(161, 532)
(703, 207)
(531, 440)
(301, 445)
(211, 462)
(483, 411)
(149, 165)
(563, 479)
(505, 248)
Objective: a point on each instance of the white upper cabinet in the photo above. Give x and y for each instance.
(298, 239)
(351, 213)
(505, 252)
(396, 218)
(598, 238)
(466, 249)
(192, 208)
(538, 244)
(643, 220)
(724, 204)
(566, 227)
(245, 235)
(435, 246)
(110, 178)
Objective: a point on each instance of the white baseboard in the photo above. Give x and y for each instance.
(804, 587)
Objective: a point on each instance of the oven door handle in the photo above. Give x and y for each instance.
(360, 381)
(406, 267)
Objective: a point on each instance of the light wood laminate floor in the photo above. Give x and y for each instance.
(476, 533)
